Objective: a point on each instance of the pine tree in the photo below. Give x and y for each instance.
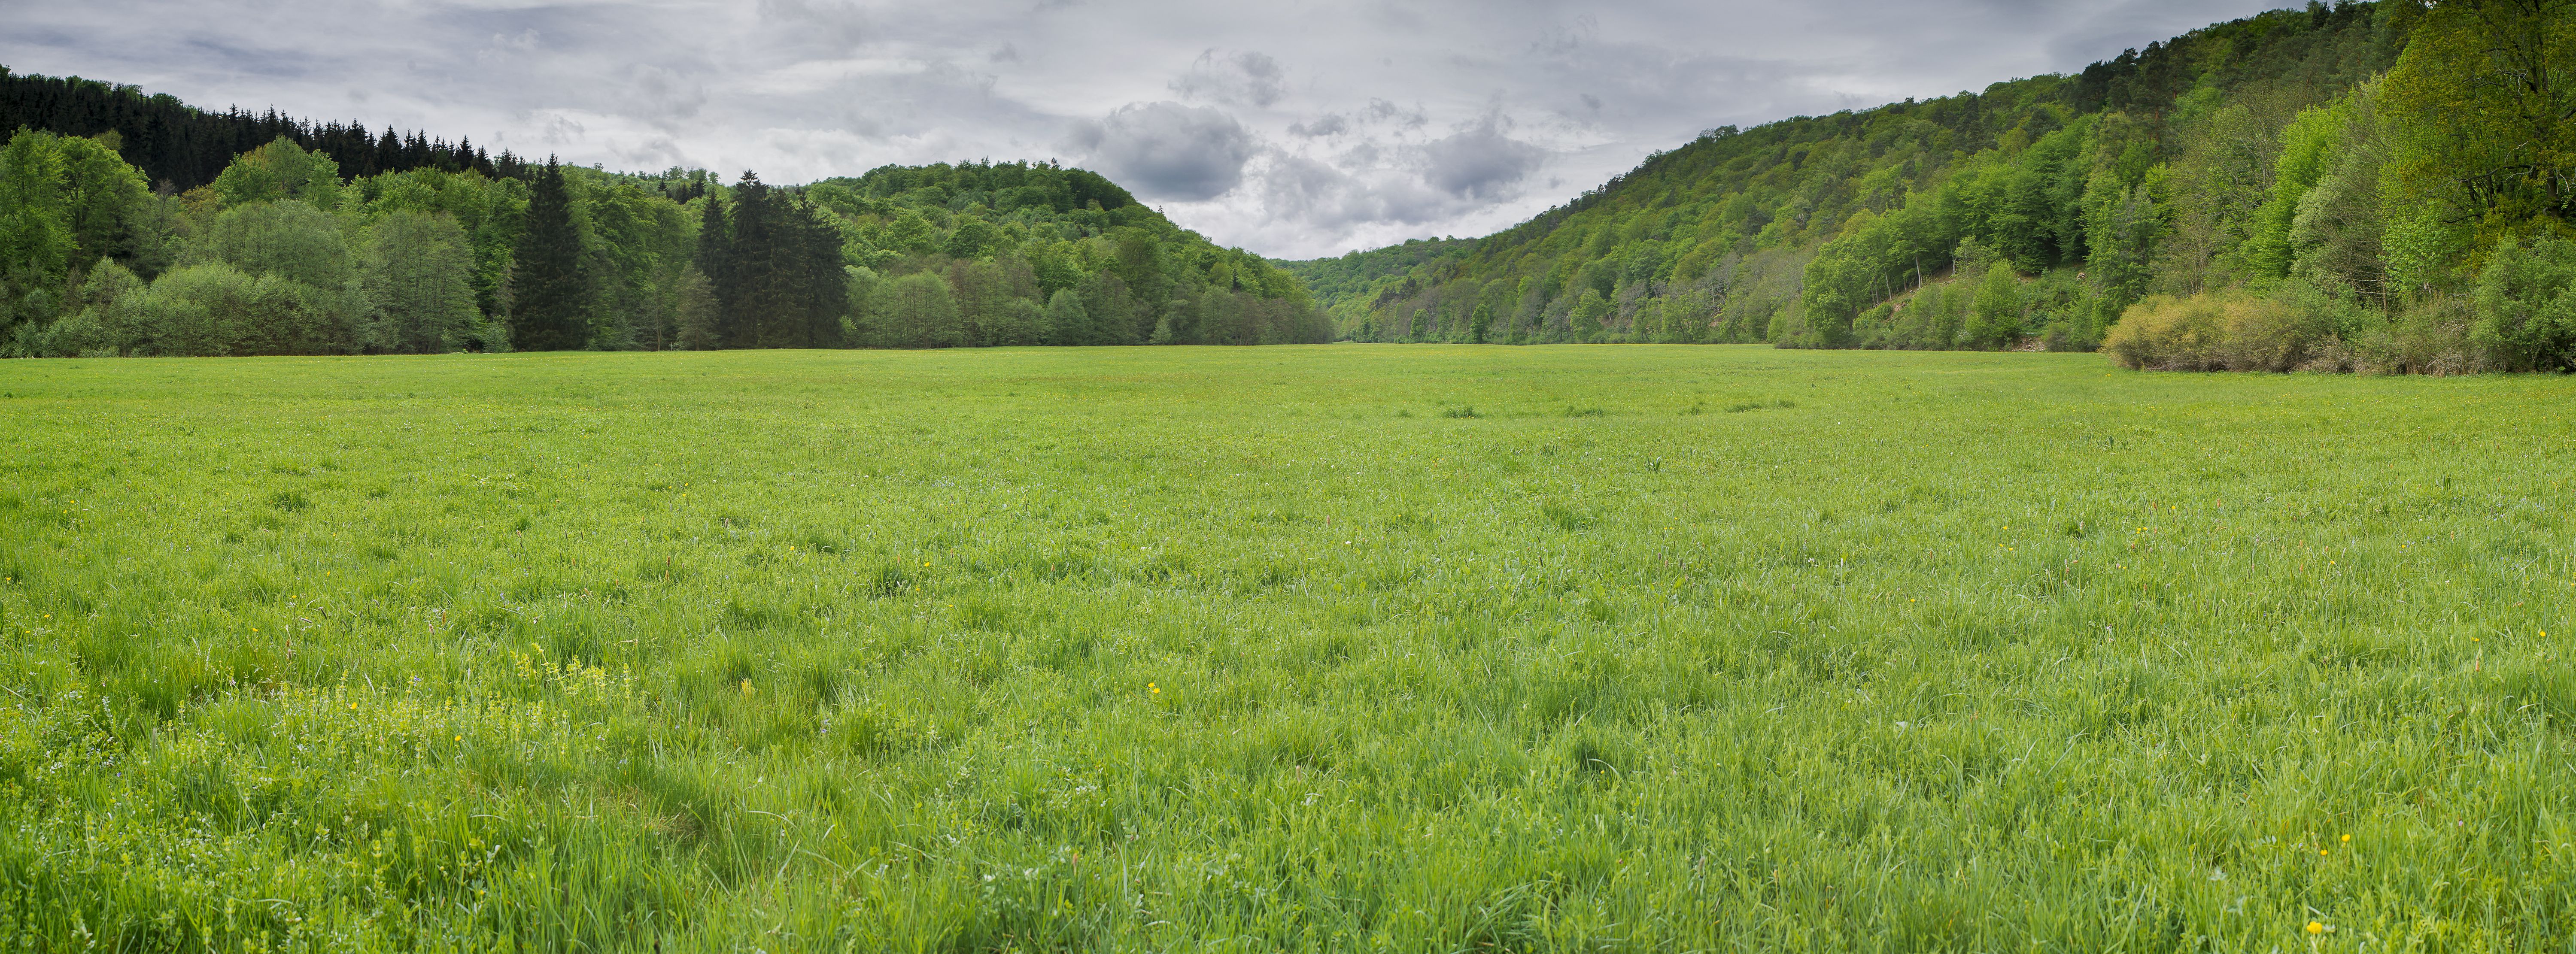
(550, 283)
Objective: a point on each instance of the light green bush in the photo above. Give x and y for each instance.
(2165, 333)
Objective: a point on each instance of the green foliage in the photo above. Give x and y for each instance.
(1280, 650)
(36, 245)
(1008, 237)
(66, 203)
(1067, 322)
(775, 262)
(104, 325)
(279, 171)
(493, 213)
(634, 244)
(217, 310)
(912, 311)
(694, 311)
(290, 240)
(2526, 307)
(1994, 321)
(2482, 107)
(105, 204)
(420, 284)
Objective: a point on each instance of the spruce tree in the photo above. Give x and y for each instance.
(827, 287)
(715, 261)
(550, 285)
(752, 300)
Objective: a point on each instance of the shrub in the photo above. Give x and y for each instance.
(2295, 329)
(2273, 333)
(2165, 333)
(2526, 308)
(2433, 338)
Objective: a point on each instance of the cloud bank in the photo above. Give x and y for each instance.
(1295, 130)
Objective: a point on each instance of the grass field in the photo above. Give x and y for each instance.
(1325, 649)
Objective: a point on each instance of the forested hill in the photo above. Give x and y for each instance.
(405, 244)
(999, 233)
(2352, 171)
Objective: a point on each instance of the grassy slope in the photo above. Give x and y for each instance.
(1160, 648)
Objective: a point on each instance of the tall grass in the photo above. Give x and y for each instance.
(1270, 650)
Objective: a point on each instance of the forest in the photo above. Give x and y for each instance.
(2363, 187)
(125, 243)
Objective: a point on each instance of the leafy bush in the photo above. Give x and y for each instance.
(216, 310)
(2275, 332)
(2165, 333)
(2295, 329)
(2432, 338)
(2526, 307)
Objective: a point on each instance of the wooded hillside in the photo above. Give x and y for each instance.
(2377, 185)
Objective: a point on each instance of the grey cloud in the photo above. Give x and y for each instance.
(1168, 150)
(1320, 196)
(903, 110)
(1381, 111)
(1247, 77)
(1480, 162)
(1562, 40)
(812, 27)
(669, 94)
(1329, 124)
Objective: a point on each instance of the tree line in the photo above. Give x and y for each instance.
(286, 251)
(178, 147)
(2362, 186)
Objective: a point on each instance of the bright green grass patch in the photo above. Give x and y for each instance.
(1338, 648)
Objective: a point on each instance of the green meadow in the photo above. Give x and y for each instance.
(1336, 648)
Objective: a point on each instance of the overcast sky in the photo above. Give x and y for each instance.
(1294, 128)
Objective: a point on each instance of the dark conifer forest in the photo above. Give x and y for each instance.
(178, 148)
